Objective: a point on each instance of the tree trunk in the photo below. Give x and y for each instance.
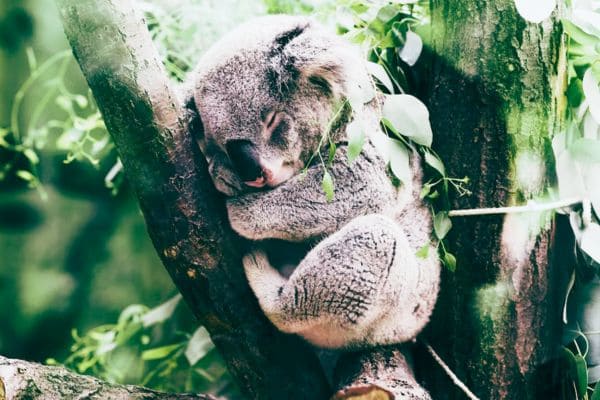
(495, 94)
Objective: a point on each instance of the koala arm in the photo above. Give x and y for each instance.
(297, 210)
(363, 285)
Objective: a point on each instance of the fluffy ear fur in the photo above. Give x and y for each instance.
(305, 55)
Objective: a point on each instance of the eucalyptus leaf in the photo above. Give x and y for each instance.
(586, 150)
(449, 261)
(356, 139)
(412, 48)
(588, 21)
(423, 252)
(441, 224)
(434, 162)
(591, 90)
(590, 241)
(399, 161)
(409, 117)
(25, 175)
(327, 185)
(31, 156)
(577, 34)
(535, 11)
(160, 352)
(581, 373)
(379, 72)
(596, 394)
(198, 346)
(162, 312)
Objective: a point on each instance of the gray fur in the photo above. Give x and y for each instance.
(362, 284)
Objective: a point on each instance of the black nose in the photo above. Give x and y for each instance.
(245, 159)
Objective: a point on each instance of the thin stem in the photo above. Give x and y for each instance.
(516, 209)
(457, 382)
(14, 113)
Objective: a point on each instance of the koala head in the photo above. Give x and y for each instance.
(265, 95)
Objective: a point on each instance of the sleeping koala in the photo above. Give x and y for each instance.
(265, 94)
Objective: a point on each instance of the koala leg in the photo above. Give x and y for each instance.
(359, 286)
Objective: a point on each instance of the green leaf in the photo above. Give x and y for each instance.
(409, 117)
(577, 370)
(31, 156)
(441, 224)
(162, 312)
(331, 155)
(356, 139)
(582, 377)
(578, 34)
(591, 89)
(587, 150)
(425, 191)
(198, 346)
(25, 175)
(412, 48)
(399, 161)
(434, 162)
(535, 11)
(379, 72)
(575, 92)
(327, 186)
(596, 394)
(160, 352)
(423, 252)
(449, 261)
(590, 241)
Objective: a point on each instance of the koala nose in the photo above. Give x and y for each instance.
(245, 159)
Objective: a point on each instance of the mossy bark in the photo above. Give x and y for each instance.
(495, 92)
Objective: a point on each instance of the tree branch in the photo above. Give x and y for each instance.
(184, 214)
(25, 380)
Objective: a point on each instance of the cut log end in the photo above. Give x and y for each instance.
(363, 392)
(383, 373)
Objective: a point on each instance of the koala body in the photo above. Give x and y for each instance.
(265, 95)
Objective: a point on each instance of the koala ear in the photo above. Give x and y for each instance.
(308, 53)
(282, 72)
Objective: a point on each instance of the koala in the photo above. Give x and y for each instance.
(264, 97)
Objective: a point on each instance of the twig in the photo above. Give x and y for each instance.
(532, 207)
(449, 372)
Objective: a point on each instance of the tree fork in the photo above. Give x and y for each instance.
(185, 216)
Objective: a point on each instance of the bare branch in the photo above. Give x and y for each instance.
(25, 380)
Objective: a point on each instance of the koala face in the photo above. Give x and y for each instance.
(265, 94)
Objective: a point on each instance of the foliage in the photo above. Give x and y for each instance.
(387, 33)
(139, 349)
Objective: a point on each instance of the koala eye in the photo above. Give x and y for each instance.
(279, 132)
(270, 120)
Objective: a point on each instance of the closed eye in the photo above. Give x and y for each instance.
(270, 120)
(279, 130)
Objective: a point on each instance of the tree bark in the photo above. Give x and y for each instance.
(385, 373)
(30, 381)
(495, 94)
(184, 214)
